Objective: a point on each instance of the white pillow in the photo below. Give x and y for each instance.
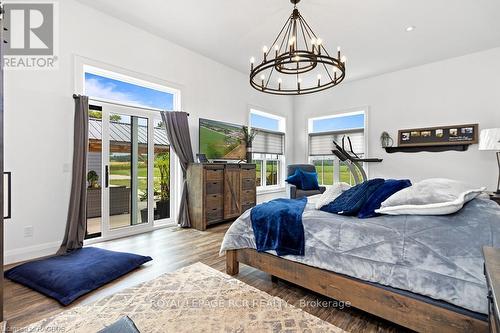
(313, 199)
(437, 196)
(331, 193)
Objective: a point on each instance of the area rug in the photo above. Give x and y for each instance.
(196, 298)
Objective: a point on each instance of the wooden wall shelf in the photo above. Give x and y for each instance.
(432, 149)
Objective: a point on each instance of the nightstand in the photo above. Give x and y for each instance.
(492, 273)
(495, 197)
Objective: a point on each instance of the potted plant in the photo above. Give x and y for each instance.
(93, 179)
(248, 135)
(93, 195)
(386, 140)
(162, 163)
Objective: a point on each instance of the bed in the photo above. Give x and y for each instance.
(421, 272)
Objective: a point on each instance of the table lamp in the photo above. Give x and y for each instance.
(490, 140)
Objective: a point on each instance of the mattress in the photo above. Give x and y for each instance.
(435, 256)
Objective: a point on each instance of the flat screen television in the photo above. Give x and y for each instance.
(221, 141)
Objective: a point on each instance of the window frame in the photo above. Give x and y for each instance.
(280, 159)
(336, 162)
(84, 65)
(264, 158)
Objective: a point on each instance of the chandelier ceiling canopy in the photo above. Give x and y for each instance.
(297, 63)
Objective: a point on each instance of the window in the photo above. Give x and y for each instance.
(323, 132)
(113, 89)
(268, 149)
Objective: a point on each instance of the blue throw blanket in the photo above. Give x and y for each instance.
(277, 225)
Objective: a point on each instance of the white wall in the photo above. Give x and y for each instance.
(39, 114)
(456, 91)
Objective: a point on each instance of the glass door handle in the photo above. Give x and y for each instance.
(106, 176)
(7, 183)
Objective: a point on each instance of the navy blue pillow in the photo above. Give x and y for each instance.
(389, 187)
(351, 201)
(67, 277)
(309, 181)
(295, 179)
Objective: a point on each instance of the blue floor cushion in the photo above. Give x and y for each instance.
(67, 277)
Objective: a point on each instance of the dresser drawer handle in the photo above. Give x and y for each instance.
(214, 208)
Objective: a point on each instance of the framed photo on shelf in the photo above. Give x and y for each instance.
(438, 136)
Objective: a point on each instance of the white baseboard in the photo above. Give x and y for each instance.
(30, 252)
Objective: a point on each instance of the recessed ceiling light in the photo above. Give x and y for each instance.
(410, 28)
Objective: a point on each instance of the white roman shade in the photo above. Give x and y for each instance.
(268, 142)
(321, 144)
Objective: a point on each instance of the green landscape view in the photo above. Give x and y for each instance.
(271, 172)
(325, 174)
(122, 168)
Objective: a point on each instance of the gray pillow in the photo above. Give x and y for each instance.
(437, 196)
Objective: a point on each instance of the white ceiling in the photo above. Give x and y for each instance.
(372, 33)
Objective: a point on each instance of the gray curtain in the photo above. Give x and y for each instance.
(77, 212)
(178, 135)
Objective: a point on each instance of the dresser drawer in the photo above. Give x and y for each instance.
(248, 173)
(247, 184)
(214, 174)
(214, 215)
(214, 201)
(248, 195)
(214, 187)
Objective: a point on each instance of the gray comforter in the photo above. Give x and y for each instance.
(436, 256)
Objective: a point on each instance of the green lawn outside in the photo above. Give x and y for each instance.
(258, 169)
(325, 174)
(123, 169)
(271, 172)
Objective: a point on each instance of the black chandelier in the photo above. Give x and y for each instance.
(297, 52)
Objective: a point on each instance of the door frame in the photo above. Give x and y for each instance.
(151, 115)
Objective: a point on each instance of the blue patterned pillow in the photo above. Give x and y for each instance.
(309, 181)
(351, 201)
(295, 179)
(382, 193)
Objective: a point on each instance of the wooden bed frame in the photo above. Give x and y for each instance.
(402, 310)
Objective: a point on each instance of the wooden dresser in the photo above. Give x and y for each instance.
(219, 192)
(492, 272)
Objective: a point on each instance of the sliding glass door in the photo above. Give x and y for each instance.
(128, 171)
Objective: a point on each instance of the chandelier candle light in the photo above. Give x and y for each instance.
(297, 53)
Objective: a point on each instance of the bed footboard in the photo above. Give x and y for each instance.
(403, 310)
(232, 264)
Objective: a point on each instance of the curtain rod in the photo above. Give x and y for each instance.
(126, 105)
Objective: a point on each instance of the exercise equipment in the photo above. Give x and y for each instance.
(352, 160)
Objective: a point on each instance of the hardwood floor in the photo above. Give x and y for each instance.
(173, 248)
